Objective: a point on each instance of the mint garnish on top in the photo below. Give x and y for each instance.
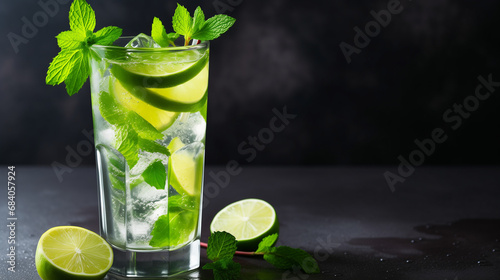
(71, 65)
(195, 27)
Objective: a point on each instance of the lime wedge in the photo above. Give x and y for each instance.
(158, 118)
(175, 144)
(185, 169)
(69, 252)
(248, 220)
(159, 76)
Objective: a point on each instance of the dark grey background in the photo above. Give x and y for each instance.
(284, 53)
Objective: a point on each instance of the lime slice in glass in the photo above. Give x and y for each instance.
(185, 169)
(176, 86)
(175, 144)
(248, 220)
(160, 75)
(187, 97)
(158, 118)
(69, 252)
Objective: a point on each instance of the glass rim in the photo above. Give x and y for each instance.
(201, 45)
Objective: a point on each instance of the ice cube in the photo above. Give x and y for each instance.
(145, 159)
(189, 130)
(142, 41)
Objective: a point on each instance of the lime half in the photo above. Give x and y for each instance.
(69, 252)
(248, 220)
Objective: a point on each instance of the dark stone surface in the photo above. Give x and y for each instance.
(442, 223)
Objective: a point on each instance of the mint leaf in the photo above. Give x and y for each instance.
(71, 65)
(285, 257)
(110, 110)
(161, 232)
(152, 147)
(214, 27)
(70, 40)
(79, 72)
(181, 202)
(173, 228)
(142, 126)
(116, 114)
(159, 33)
(126, 143)
(107, 35)
(182, 22)
(221, 245)
(155, 175)
(81, 17)
(116, 170)
(221, 248)
(172, 36)
(61, 66)
(266, 243)
(198, 20)
(224, 269)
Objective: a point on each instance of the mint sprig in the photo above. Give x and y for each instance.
(71, 65)
(195, 27)
(221, 248)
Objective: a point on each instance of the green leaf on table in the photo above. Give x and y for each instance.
(224, 269)
(214, 27)
(285, 257)
(221, 245)
(155, 175)
(126, 143)
(266, 243)
(221, 248)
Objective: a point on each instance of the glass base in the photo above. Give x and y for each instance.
(155, 264)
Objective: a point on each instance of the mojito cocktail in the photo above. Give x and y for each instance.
(149, 108)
